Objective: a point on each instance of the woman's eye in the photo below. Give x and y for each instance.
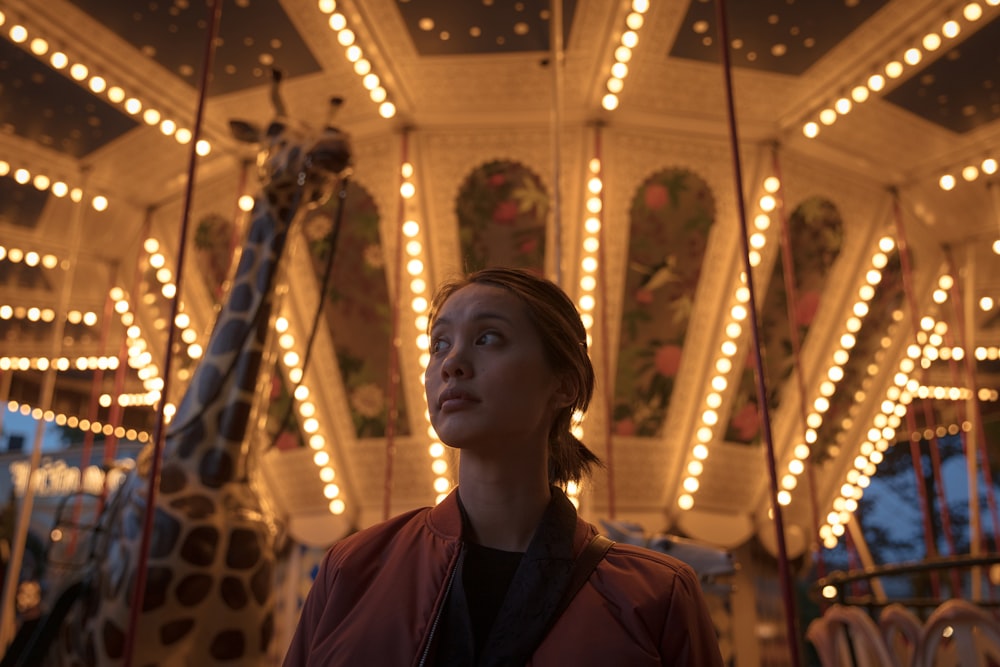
(438, 344)
(488, 338)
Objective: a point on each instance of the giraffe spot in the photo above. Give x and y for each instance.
(216, 468)
(114, 640)
(260, 583)
(157, 583)
(241, 300)
(208, 381)
(199, 546)
(233, 593)
(244, 549)
(192, 437)
(172, 478)
(233, 420)
(194, 507)
(266, 633)
(165, 533)
(227, 645)
(174, 631)
(248, 258)
(266, 278)
(193, 589)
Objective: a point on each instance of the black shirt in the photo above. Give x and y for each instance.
(486, 576)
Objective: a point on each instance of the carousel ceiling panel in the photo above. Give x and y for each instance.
(21, 206)
(780, 36)
(960, 90)
(447, 28)
(253, 36)
(45, 106)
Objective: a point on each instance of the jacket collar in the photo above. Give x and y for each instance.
(534, 594)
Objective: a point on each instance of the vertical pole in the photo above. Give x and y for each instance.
(556, 47)
(791, 614)
(139, 585)
(972, 437)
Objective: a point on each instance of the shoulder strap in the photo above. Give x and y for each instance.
(592, 554)
(584, 565)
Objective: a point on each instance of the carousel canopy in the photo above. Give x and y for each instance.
(589, 140)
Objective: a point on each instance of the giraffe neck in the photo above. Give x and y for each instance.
(211, 427)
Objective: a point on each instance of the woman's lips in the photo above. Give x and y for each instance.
(451, 399)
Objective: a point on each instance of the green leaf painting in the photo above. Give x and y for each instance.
(670, 218)
(502, 210)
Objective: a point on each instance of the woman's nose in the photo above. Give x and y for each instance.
(455, 364)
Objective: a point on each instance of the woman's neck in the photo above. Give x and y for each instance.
(503, 509)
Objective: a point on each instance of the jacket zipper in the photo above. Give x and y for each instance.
(437, 617)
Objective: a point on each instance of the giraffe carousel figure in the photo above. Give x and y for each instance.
(208, 596)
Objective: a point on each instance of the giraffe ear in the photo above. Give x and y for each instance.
(245, 131)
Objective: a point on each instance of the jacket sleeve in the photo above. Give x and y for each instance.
(311, 615)
(689, 638)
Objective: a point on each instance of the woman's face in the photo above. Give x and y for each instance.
(489, 385)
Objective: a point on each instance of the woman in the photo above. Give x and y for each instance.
(503, 572)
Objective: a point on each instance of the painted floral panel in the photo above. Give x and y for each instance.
(502, 209)
(815, 236)
(357, 308)
(670, 218)
(214, 243)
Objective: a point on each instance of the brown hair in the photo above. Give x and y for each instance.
(564, 339)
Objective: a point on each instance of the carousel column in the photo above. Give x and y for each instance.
(8, 626)
(972, 437)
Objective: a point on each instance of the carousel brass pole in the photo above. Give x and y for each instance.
(784, 572)
(8, 627)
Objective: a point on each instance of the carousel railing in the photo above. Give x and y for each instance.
(873, 630)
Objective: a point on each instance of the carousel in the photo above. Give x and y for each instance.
(780, 221)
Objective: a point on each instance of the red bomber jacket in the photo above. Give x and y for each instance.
(378, 598)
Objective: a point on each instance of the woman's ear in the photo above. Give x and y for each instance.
(565, 393)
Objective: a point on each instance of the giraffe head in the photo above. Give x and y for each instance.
(298, 166)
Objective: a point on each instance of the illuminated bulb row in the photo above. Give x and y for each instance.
(30, 258)
(835, 373)
(168, 288)
(35, 314)
(130, 400)
(871, 453)
(98, 85)
(991, 352)
(969, 173)
(912, 56)
(705, 432)
(587, 301)
(308, 416)
(354, 54)
(416, 274)
(594, 205)
(44, 183)
(886, 423)
(60, 363)
(623, 53)
(941, 431)
(95, 427)
(140, 358)
(945, 393)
